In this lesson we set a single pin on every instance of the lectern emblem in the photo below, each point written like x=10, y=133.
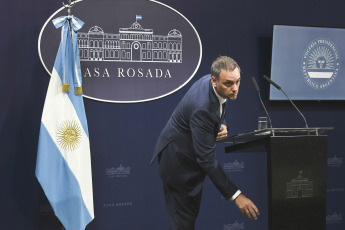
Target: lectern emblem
x=320, y=64
x=299, y=187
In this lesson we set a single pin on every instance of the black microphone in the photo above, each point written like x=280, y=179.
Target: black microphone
x=279, y=88
x=273, y=83
x=263, y=105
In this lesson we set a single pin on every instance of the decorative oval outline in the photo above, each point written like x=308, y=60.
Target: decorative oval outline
x=111, y=101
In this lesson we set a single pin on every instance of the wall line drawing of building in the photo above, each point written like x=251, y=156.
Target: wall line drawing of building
x=233, y=166
x=133, y=44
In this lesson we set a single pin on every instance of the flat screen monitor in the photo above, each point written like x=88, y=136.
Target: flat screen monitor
x=308, y=63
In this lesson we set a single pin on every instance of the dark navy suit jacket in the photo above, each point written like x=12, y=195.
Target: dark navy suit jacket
x=186, y=148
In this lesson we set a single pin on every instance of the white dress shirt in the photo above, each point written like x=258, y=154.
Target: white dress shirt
x=221, y=101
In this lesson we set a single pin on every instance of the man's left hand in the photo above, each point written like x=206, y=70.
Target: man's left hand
x=247, y=207
x=223, y=132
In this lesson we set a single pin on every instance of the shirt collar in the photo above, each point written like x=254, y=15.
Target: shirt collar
x=221, y=100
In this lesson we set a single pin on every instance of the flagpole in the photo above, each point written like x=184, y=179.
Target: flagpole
x=69, y=8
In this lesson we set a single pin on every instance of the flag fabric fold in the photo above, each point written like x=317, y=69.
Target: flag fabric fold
x=63, y=165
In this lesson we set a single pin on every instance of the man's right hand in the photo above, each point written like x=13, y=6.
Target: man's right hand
x=247, y=207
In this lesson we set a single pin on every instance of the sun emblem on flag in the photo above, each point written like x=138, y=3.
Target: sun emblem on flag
x=69, y=135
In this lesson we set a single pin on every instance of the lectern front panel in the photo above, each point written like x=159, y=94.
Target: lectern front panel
x=297, y=174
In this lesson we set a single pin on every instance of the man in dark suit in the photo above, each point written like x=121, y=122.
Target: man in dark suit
x=186, y=148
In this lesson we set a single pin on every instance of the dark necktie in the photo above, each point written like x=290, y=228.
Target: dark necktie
x=223, y=110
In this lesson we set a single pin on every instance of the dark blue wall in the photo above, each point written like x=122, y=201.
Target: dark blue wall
x=126, y=133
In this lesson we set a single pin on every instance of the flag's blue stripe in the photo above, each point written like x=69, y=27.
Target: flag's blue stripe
x=77, y=100
x=59, y=184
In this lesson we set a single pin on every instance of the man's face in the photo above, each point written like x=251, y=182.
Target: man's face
x=229, y=83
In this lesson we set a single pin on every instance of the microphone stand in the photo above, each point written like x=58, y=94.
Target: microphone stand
x=305, y=121
x=279, y=88
x=262, y=103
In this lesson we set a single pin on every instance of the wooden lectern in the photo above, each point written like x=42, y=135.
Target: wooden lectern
x=297, y=174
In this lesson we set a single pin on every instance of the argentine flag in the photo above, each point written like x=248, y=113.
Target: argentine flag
x=138, y=17
x=63, y=165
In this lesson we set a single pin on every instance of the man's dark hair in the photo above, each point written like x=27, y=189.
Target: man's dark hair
x=223, y=62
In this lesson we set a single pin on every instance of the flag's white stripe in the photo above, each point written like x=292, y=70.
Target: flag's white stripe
x=76, y=23
x=62, y=33
x=57, y=109
x=76, y=73
x=58, y=20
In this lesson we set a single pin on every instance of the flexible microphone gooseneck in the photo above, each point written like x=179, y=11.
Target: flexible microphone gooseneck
x=279, y=88
x=263, y=105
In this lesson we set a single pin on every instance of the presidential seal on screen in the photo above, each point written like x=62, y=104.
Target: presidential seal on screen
x=320, y=63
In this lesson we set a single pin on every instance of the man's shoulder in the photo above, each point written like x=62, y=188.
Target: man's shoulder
x=207, y=77
x=203, y=81
x=199, y=96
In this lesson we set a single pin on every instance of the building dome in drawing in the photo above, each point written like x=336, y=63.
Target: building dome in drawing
x=174, y=33
x=96, y=30
x=136, y=26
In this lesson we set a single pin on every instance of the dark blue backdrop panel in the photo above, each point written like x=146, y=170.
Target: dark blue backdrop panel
x=123, y=136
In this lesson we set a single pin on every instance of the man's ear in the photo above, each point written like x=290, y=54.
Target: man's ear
x=214, y=81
